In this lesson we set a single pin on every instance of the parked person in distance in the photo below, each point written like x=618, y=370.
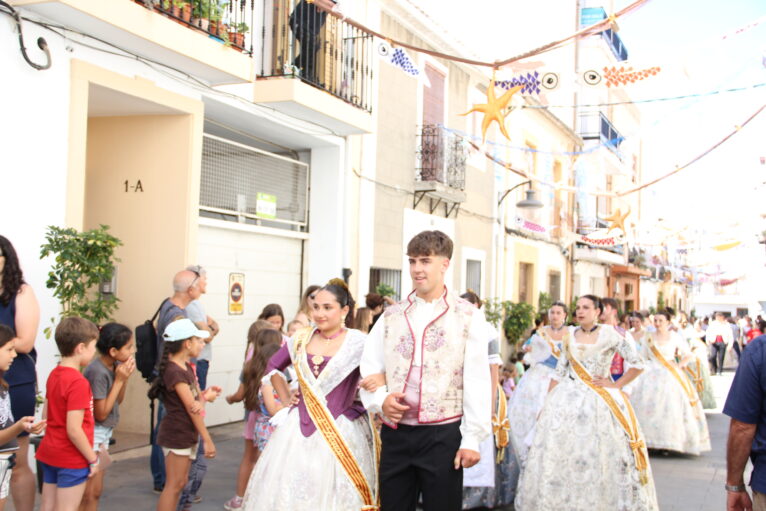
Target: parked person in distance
x=108, y=376
x=66, y=454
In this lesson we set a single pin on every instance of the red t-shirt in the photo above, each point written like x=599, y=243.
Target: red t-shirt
x=67, y=389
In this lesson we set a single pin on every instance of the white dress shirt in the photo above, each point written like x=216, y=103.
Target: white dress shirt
x=721, y=328
x=475, y=424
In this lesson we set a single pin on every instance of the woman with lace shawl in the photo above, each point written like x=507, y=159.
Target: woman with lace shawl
x=528, y=399
x=322, y=455
x=587, y=452
x=667, y=403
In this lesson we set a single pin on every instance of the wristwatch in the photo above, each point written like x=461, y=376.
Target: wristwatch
x=736, y=488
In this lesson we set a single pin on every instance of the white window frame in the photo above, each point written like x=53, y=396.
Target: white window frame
x=473, y=254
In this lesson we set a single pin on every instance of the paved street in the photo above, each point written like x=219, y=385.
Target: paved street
x=684, y=483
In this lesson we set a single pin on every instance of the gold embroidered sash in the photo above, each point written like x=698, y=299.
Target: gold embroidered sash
x=554, y=350
x=695, y=373
x=501, y=426
x=323, y=420
x=684, y=382
x=629, y=424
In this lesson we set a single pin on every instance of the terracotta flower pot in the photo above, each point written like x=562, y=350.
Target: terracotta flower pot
x=186, y=12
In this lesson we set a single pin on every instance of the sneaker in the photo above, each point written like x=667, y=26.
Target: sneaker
x=233, y=504
x=197, y=499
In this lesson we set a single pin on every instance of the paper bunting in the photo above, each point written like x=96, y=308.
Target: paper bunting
x=615, y=77
x=726, y=246
x=397, y=57
x=530, y=226
x=595, y=239
x=530, y=83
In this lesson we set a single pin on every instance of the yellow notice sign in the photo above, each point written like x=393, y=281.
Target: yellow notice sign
x=236, y=293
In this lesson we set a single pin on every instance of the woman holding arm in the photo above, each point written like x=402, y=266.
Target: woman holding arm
x=667, y=404
x=20, y=311
x=587, y=452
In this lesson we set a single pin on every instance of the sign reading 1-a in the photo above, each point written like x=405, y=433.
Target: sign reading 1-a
x=138, y=187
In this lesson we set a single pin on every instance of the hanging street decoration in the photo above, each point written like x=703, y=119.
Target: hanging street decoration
x=531, y=226
x=595, y=239
x=726, y=246
x=494, y=109
x=530, y=83
x=615, y=77
x=617, y=220
x=398, y=58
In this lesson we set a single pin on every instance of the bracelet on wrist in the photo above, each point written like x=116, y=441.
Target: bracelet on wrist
x=739, y=488
x=94, y=462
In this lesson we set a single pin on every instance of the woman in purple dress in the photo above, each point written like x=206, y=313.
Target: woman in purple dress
x=304, y=467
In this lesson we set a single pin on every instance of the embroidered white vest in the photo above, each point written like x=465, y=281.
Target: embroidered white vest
x=442, y=355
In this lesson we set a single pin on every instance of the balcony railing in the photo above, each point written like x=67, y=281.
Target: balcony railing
x=302, y=41
x=591, y=15
x=442, y=157
x=228, y=21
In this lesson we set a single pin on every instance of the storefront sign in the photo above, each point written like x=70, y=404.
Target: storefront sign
x=265, y=205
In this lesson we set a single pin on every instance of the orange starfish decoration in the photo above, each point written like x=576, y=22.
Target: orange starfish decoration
x=494, y=108
x=617, y=220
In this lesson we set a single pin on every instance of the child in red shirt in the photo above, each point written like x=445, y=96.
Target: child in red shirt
x=66, y=452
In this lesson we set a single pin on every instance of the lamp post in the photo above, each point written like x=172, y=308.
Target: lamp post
x=530, y=202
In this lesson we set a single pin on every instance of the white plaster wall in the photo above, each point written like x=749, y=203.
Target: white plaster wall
x=272, y=266
x=584, y=271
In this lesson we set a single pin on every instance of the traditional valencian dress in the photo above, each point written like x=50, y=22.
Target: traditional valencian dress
x=587, y=452
x=698, y=370
x=667, y=404
x=528, y=399
x=299, y=470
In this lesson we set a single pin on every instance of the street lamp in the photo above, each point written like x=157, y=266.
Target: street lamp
x=530, y=202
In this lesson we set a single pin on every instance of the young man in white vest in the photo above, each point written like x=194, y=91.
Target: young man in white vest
x=432, y=348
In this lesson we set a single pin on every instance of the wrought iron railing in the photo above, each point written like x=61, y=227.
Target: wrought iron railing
x=615, y=44
x=228, y=21
x=596, y=126
x=302, y=41
x=442, y=157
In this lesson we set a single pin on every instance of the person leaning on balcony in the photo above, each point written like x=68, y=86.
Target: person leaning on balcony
x=746, y=405
x=719, y=337
x=20, y=311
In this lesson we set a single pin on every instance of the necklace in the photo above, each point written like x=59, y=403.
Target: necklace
x=333, y=336
x=317, y=360
x=589, y=331
x=559, y=329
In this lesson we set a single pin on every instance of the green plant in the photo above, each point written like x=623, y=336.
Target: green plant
x=519, y=317
x=82, y=261
x=242, y=28
x=544, y=302
x=216, y=10
x=493, y=311
x=652, y=310
x=573, y=307
x=660, y=301
x=384, y=289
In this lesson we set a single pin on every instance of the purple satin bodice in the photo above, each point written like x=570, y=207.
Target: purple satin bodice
x=341, y=400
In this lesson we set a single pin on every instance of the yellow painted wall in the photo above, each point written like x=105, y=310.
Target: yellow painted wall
x=158, y=227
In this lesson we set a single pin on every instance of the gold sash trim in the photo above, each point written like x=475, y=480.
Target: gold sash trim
x=501, y=426
x=554, y=350
x=324, y=422
x=684, y=382
x=696, y=376
x=629, y=424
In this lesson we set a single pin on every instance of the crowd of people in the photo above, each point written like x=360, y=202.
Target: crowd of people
x=387, y=406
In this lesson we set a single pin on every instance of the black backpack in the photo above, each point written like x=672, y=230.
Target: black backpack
x=146, y=346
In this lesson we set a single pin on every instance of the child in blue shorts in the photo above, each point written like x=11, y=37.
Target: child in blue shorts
x=66, y=452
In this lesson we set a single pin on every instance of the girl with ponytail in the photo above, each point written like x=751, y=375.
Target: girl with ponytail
x=183, y=425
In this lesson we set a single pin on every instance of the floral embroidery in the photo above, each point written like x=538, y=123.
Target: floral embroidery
x=432, y=409
x=405, y=346
x=457, y=378
x=435, y=338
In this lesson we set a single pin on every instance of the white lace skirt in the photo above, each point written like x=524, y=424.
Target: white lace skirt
x=665, y=414
x=580, y=458
x=296, y=473
x=525, y=404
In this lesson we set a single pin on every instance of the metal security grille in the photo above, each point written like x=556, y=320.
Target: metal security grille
x=473, y=276
x=247, y=185
x=392, y=278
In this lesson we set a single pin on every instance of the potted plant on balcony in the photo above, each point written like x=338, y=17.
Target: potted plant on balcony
x=201, y=14
x=237, y=35
x=217, y=26
x=179, y=9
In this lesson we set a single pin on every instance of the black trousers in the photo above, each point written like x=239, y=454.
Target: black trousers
x=717, y=354
x=418, y=460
